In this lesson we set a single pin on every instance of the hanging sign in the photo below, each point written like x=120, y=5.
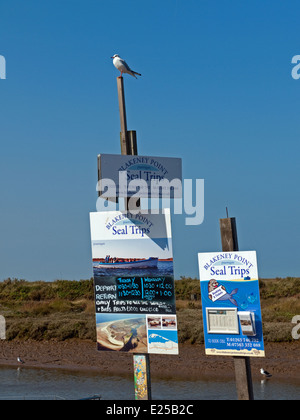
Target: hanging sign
x=142, y=176
x=134, y=282
x=231, y=304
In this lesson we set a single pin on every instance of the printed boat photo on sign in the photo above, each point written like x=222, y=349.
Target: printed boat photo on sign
x=121, y=264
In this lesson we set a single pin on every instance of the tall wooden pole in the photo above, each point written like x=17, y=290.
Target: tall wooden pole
x=242, y=365
x=123, y=120
x=129, y=147
x=128, y=138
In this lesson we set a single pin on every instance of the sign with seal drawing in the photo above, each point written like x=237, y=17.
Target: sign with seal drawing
x=231, y=304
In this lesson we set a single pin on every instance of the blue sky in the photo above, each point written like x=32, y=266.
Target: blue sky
x=216, y=90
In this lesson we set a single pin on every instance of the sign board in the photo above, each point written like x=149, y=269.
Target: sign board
x=134, y=282
x=155, y=177
x=231, y=304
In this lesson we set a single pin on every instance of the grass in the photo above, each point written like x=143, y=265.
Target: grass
x=65, y=309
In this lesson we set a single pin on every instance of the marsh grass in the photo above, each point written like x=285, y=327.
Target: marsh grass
x=64, y=309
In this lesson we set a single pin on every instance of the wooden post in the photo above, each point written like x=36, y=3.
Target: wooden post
x=123, y=120
x=132, y=142
x=242, y=365
x=129, y=147
x=243, y=378
x=229, y=235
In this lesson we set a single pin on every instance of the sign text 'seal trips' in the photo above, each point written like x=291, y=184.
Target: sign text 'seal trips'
x=2, y=67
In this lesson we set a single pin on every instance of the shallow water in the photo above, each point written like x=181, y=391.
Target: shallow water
x=52, y=384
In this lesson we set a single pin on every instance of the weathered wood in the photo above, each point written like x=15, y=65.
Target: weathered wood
x=123, y=120
x=128, y=140
x=229, y=235
x=132, y=142
x=129, y=147
x=242, y=365
x=243, y=378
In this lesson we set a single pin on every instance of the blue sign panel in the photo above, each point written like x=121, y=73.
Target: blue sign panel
x=231, y=304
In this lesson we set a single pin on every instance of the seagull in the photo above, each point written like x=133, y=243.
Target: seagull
x=20, y=361
x=265, y=373
x=122, y=66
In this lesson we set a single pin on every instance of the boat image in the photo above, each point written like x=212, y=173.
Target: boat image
x=117, y=264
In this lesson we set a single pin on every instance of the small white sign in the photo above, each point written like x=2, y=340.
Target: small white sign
x=217, y=293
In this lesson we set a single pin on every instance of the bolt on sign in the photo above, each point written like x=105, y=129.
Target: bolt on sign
x=231, y=304
x=134, y=282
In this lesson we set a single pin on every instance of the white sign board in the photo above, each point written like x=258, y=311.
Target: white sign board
x=142, y=176
x=134, y=282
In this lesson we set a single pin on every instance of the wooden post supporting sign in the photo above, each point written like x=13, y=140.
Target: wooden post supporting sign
x=242, y=364
x=124, y=136
x=141, y=362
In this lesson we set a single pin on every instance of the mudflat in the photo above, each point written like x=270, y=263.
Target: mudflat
x=282, y=359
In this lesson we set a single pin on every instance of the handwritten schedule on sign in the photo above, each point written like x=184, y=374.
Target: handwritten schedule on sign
x=146, y=288
x=135, y=295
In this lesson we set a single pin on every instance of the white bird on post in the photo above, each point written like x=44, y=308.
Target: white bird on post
x=123, y=67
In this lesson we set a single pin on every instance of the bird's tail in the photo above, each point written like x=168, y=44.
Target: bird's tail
x=135, y=73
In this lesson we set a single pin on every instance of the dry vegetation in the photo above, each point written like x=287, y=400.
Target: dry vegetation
x=44, y=311
x=65, y=309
